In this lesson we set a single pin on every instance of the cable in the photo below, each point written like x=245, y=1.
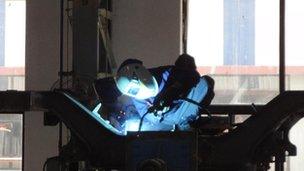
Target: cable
x=199, y=105
x=151, y=110
x=47, y=161
x=106, y=25
x=56, y=82
x=185, y=99
x=141, y=121
x=78, y=76
x=44, y=165
x=193, y=102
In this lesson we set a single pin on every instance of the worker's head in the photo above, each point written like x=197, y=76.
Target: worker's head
x=134, y=80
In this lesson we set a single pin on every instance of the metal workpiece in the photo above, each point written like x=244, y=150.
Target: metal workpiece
x=242, y=146
x=37, y=101
x=251, y=145
x=161, y=150
x=100, y=143
x=12, y=101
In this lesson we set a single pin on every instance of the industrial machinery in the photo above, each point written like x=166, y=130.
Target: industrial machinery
x=215, y=143
x=252, y=145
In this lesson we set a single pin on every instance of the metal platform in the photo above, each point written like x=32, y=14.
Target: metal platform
x=249, y=146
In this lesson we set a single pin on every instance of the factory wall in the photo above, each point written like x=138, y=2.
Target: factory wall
x=42, y=65
x=148, y=30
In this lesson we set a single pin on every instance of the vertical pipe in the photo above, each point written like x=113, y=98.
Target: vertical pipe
x=184, y=19
x=67, y=10
x=282, y=47
x=279, y=166
x=61, y=44
x=279, y=163
x=280, y=157
x=61, y=70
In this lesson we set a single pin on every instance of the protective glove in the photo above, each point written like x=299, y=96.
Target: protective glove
x=158, y=109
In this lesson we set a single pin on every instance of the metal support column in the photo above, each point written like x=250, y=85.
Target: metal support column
x=2, y=32
x=282, y=46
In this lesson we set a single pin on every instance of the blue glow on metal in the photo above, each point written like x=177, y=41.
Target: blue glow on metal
x=179, y=115
x=132, y=125
x=96, y=109
x=96, y=116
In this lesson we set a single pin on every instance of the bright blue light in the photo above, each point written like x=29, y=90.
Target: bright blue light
x=96, y=109
x=132, y=125
x=136, y=88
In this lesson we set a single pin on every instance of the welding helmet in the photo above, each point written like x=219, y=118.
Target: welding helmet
x=134, y=80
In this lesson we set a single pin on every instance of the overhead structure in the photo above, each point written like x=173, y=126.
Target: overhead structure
x=91, y=38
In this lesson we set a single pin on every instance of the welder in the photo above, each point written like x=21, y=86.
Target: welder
x=163, y=98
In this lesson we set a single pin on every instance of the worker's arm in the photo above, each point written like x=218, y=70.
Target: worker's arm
x=183, y=77
x=108, y=94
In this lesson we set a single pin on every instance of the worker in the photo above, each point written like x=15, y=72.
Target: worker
x=162, y=98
